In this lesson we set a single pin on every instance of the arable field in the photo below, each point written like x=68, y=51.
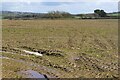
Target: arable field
x=70, y=48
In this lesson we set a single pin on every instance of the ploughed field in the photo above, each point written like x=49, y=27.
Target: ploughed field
x=68, y=48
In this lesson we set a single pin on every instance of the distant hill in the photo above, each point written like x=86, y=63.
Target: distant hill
x=20, y=15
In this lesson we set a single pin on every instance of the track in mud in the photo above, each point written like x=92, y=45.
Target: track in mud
x=82, y=66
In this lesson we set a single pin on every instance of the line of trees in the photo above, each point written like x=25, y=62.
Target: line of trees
x=61, y=14
x=57, y=14
x=98, y=14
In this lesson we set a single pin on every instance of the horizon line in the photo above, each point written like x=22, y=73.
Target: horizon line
x=53, y=10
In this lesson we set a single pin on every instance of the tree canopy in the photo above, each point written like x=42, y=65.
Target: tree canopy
x=57, y=14
x=101, y=13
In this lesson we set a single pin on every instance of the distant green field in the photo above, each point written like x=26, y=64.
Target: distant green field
x=72, y=48
x=114, y=14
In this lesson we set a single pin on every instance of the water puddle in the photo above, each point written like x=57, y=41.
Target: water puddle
x=32, y=74
x=35, y=53
x=29, y=52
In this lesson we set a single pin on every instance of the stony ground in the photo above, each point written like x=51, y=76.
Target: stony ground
x=70, y=48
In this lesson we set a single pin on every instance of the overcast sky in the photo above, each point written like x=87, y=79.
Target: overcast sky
x=69, y=6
